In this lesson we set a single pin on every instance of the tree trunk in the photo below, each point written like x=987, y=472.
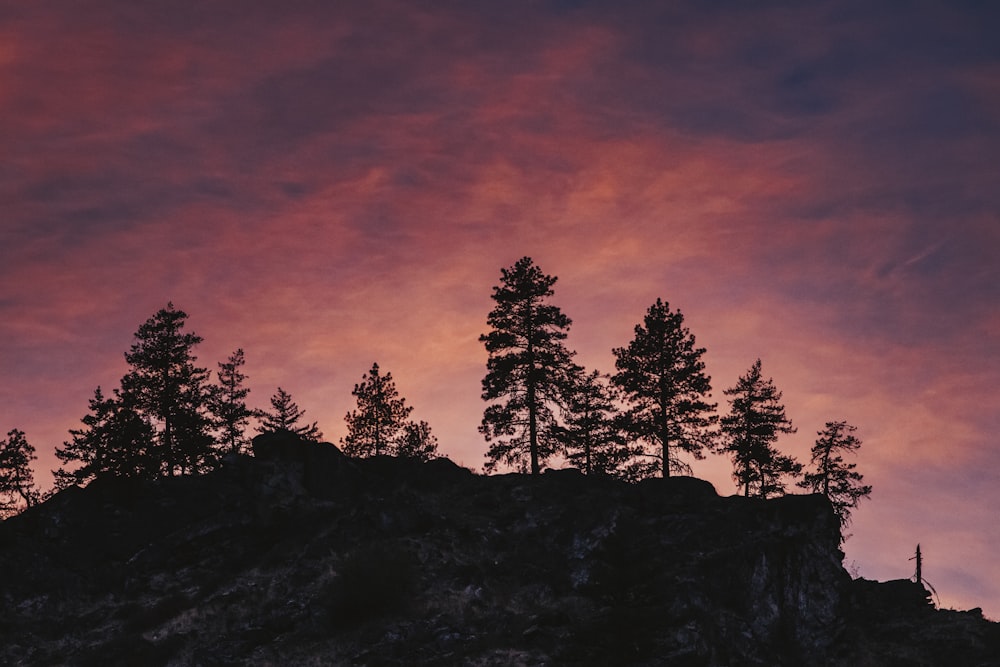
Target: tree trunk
x=532, y=391
x=665, y=440
x=826, y=472
x=165, y=409
x=532, y=426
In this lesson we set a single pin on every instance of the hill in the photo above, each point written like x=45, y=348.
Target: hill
x=301, y=555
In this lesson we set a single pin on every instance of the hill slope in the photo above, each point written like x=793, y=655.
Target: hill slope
x=301, y=556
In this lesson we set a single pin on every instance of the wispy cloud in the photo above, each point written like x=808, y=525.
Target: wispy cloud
x=329, y=185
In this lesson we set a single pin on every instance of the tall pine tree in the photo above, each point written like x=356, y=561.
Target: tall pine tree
x=285, y=415
x=229, y=403
x=116, y=440
x=172, y=392
x=590, y=432
x=376, y=426
x=17, y=482
x=831, y=475
x=663, y=379
x=528, y=370
x=750, y=431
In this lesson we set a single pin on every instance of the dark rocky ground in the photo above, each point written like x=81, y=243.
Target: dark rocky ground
x=301, y=556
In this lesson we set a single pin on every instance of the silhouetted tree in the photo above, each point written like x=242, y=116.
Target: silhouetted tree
x=663, y=379
x=750, y=430
x=376, y=426
x=168, y=388
x=229, y=404
x=528, y=369
x=590, y=432
x=417, y=442
x=89, y=450
x=195, y=441
x=17, y=482
x=116, y=441
x=285, y=416
x=831, y=475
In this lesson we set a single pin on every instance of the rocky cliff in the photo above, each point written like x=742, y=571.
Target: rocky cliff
x=302, y=556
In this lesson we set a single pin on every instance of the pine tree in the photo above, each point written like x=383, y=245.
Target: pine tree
x=831, y=475
x=528, y=369
x=196, y=446
x=751, y=429
x=116, y=441
x=590, y=432
x=17, y=482
x=285, y=416
x=663, y=379
x=168, y=388
x=88, y=448
x=417, y=442
x=376, y=426
x=229, y=403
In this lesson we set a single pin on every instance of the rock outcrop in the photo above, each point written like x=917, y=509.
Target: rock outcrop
x=301, y=555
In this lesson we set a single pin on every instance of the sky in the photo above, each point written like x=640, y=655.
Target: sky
x=327, y=185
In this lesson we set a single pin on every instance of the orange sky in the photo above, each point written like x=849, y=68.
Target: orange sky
x=328, y=187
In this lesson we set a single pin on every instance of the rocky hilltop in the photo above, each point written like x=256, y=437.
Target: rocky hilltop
x=300, y=555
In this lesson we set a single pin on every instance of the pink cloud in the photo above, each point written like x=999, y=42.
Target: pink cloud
x=340, y=186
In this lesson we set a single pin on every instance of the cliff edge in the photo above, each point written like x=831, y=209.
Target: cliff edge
x=301, y=555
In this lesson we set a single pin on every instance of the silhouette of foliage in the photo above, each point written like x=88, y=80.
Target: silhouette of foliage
x=831, y=475
x=590, y=432
x=751, y=428
x=17, y=482
x=172, y=392
x=116, y=440
x=528, y=369
x=417, y=442
x=229, y=406
x=663, y=378
x=285, y=416
x=379, y=426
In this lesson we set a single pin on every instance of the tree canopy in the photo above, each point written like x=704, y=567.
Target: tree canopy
x=229, y=403
x=376, y=426
x=166, y=417
x=115, y=440
x=663, y=379
x=157, y=421
x=165, y=385
x=417, y=442
x=17, y=481
x=591, y=428
x=750, y=431
x=833, y=477
x=528, y=370
x=285, y=415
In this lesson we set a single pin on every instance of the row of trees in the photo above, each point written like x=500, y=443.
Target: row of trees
x=167, y=417
x=639, y=421
x=379, y=426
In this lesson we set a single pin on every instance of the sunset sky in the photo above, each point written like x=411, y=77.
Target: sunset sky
x=330, y=184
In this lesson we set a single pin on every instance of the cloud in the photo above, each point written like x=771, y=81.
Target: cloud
x=328, y=185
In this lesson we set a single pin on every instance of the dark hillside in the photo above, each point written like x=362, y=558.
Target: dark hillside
x=302, y=556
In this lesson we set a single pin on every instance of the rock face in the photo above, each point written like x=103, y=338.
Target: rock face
x=301, y=555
